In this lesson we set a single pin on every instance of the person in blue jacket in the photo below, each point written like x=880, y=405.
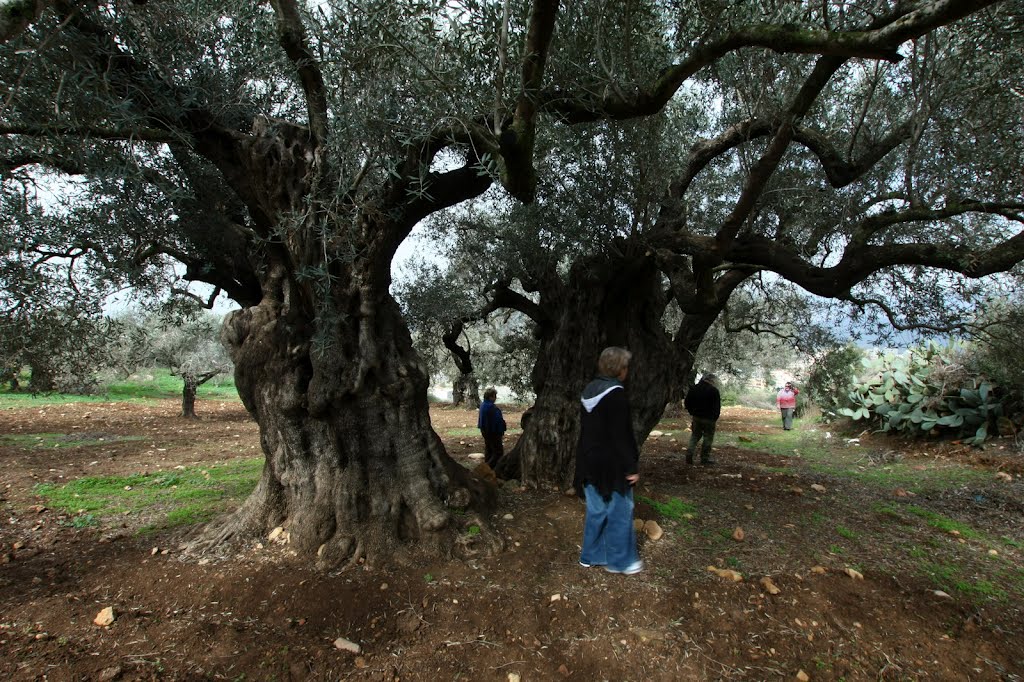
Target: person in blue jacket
x=492, y=428
x=607, y=460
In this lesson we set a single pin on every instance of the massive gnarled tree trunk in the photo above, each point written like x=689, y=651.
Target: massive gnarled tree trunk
x=353, y=468
x=605, y=302
x=326, y=366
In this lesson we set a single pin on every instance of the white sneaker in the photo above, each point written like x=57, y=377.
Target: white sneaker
x=632, y=569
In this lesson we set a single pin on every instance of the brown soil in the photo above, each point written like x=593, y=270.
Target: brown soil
x=532, y=611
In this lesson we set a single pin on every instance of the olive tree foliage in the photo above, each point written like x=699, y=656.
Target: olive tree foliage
x=884, y=186
x=51, y=321
x=281, y=152
x=189, y=346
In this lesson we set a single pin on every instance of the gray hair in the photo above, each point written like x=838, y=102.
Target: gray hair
x=612, y=361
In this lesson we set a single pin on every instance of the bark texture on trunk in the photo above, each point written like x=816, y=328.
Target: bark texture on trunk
x=188, y=396
x=614, y=304
x=466, y=391
x=353, y=469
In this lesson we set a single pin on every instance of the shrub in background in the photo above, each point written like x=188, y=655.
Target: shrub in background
x=930, y=390
x=830, y=378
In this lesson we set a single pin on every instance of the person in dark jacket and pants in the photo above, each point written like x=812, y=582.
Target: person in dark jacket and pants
x=492, y=428
x=704, y=403
x=606, y=468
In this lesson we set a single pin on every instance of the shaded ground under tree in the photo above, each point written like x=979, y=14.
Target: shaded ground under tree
x=912, y=521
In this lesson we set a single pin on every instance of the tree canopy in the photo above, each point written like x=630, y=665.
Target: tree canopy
x=280, y=152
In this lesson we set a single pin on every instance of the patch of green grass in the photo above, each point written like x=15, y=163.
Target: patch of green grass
x=917, y=553
x=674, y=508
x=181, y=496
x=886, y=510
x=151, y=384
x=948, y=578
x=44, y=441
x=836, y=549
x=732, y=562
x=846, y=532
x=1010, y=542
x=943, y=523
x=835, y=457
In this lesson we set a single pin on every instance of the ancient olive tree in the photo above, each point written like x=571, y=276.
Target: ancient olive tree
x=869, y=183
x=281, y=152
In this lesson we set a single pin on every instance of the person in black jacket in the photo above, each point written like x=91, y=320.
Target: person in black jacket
x=704, y=403
x=606, y=468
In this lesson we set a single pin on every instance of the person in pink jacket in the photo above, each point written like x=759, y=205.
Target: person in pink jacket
x=786, y=401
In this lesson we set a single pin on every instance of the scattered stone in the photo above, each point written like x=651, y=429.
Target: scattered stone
x=856, y=575
x=726, y=573
x=993, y=552
x=738, y=534
x=475, y=455
x=769, y=586
x=818, y=487
x=383, y=587
x=638, y=525
x=347, y=645
x=796, y=490
x=900, y=492
x=154, y=551
x=508, y=517
x=513, y=677
x=818, y=569
x=110, y=674
x=38, y=508
x=360, y=662
x=563, y=670
x=748, y=507
x=105, y=617
x=18, y=545
x=656, y=434
x=570, y=492
x=1003, y=476
x=653, y=530
x=941, y=595
x=802, y=676
x=744, y=439
x=275, y=534
x=556, y=597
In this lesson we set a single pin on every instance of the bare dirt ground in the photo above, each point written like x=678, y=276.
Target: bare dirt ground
x=532, y=612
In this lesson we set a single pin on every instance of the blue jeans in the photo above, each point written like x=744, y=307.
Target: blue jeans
x=608, y=535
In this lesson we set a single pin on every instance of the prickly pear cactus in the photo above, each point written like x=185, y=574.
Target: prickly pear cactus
x=913, y=394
